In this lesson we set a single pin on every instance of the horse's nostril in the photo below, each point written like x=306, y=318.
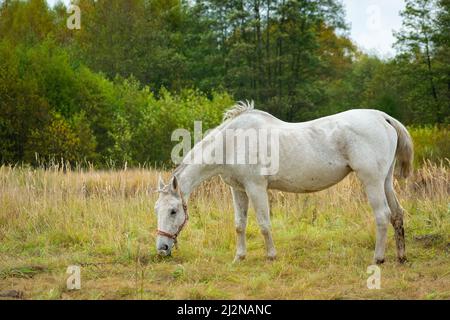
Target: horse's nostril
x=164, y=247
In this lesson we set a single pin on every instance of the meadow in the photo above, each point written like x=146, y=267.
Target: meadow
x=108, y=95
x=103, y=221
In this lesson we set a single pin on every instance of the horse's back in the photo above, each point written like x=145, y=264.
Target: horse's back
x=355, y=118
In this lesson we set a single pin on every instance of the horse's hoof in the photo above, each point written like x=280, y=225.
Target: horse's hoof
x=402, y=260
x=272, y=257
x=379, y=261
x=239, y=258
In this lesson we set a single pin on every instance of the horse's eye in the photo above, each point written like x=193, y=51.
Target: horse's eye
x=173, y=212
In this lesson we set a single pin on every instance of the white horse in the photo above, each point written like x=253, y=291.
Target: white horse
x=313, y=156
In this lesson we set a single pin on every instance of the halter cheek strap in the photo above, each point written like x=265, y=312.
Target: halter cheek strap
x=174, y=236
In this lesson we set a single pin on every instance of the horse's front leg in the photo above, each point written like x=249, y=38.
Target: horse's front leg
x=260, y=200
x=240, y=201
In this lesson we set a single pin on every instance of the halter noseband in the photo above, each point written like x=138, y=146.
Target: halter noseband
x=174, y=236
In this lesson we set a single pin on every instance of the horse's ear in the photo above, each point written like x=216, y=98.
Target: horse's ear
x=174, y=184
x=161, y=184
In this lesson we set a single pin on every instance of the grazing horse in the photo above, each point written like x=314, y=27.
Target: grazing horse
x=313, y=156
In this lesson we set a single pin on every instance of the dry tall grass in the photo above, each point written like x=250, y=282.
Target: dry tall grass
x=104, y=222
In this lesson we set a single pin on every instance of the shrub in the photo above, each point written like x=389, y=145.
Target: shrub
x=431, y=143
x=59, y=140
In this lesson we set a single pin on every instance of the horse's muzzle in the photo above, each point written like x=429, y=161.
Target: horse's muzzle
x=164, y=253
x=164, y=249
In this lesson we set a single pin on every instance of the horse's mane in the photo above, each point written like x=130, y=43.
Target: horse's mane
x=238, y=109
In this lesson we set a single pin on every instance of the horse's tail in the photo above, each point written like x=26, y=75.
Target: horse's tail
x=405, y=147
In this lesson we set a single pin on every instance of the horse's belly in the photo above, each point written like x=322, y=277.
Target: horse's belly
x=306, y=181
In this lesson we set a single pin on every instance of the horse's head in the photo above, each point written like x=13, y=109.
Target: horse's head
x=172, y=215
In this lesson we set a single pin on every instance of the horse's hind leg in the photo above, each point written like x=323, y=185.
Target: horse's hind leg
x=396, y=215
x=374, y=186
x=240, y=201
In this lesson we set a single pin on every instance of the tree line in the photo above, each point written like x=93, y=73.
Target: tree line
x=114, y=90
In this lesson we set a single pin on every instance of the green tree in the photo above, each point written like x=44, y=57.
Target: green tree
x=415, y=42
x=442, y=48
x=26, y=22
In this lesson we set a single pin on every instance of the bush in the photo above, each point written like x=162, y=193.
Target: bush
x=431, y=143
x=58, y=109
x=60, y=140
x=160, y=117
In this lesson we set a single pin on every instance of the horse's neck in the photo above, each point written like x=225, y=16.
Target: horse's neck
x=191, y=175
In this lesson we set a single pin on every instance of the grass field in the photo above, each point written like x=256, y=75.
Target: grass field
x=104, y=222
